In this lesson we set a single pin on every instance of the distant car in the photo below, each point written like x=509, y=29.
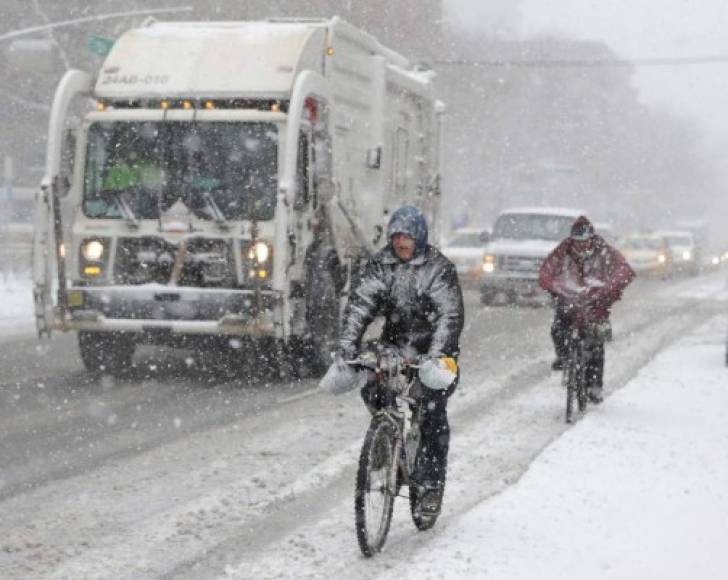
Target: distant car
x=522, y=238
x=648, y=254
x=685, y=254
x=465, y=249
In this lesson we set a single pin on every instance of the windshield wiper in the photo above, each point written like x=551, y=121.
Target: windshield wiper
x=125, y=210
x=215, y=210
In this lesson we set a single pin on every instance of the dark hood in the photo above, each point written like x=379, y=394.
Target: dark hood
x=409, y=220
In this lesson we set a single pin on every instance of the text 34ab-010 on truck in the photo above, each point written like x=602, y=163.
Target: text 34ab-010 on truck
x=227, y=184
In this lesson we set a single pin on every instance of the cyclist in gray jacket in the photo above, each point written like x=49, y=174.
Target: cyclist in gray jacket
x=417, y=291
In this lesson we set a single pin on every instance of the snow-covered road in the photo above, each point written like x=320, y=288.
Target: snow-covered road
x=177, y=475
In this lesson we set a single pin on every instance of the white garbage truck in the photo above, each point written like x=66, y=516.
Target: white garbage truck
x=222, y=181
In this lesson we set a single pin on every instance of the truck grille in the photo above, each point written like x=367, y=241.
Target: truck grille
x=520, y=264
x=146, y=260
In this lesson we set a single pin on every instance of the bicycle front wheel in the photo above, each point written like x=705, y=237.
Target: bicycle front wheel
x=375, y=486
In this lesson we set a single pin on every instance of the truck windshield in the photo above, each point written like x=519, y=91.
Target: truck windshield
x=532, y=227
x=153, y=165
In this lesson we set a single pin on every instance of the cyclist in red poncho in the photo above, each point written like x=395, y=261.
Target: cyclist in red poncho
x=586, y=276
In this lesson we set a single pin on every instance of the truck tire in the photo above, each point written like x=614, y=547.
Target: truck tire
x=322, y=313
x=106, y=352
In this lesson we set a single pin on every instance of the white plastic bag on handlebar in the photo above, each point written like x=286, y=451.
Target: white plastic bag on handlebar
x=437, y=374
x=342, y=378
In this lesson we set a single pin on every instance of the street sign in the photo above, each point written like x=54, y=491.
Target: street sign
x=100, y=45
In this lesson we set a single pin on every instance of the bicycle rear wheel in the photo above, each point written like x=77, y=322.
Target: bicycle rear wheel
x=375, y=486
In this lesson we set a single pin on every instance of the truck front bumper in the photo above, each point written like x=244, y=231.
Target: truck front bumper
x=176, y=310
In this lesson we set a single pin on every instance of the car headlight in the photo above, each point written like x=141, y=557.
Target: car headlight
x=489, y=263
x=92, y=250
x=686, y=255
x=662, y=258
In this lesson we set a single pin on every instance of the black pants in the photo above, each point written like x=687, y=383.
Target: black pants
x=560, y=333
x=431, y=462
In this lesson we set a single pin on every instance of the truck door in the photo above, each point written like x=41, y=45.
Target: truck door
x=49, y=277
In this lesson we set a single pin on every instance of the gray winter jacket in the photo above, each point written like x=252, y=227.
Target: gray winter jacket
x=421, y=301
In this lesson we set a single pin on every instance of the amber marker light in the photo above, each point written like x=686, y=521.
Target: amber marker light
x=92, y=270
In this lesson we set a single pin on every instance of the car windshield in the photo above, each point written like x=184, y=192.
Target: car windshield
x=642, y=244
x=679, y=241
x=533, y=226
x=213, y=168
x=466, y=240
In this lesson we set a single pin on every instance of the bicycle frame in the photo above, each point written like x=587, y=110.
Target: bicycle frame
x=394, y=396
x=389, y=451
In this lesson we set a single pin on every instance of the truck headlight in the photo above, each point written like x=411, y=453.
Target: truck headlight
x=489, y=263
x=686, y=255
x=260, y=260
x=93, y=257
x=662, y=258
x=259, y=252
x=92, y=250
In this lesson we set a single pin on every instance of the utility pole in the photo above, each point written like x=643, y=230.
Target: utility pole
x=6, y=196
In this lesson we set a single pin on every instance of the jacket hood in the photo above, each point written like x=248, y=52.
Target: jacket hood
x=409, y=220
x=582, y=227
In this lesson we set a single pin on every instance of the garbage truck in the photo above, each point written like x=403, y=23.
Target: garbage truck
x=223, y=182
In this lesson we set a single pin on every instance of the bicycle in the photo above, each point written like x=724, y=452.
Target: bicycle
x=582, y=343
x=389, y=451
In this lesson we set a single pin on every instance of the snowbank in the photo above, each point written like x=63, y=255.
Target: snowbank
x=637, y=489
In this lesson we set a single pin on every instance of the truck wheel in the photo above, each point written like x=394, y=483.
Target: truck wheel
x=106, y=352
x=324, y=330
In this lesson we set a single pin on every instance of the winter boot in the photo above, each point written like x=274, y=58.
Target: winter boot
x=431, y=498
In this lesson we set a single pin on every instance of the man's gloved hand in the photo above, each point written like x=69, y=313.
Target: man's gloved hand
x=438, y=373
x=341, y=377
x=598, y=297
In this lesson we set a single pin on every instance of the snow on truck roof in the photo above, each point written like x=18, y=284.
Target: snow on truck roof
x=208, y=59
x=231, y=59
x=555, y=211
